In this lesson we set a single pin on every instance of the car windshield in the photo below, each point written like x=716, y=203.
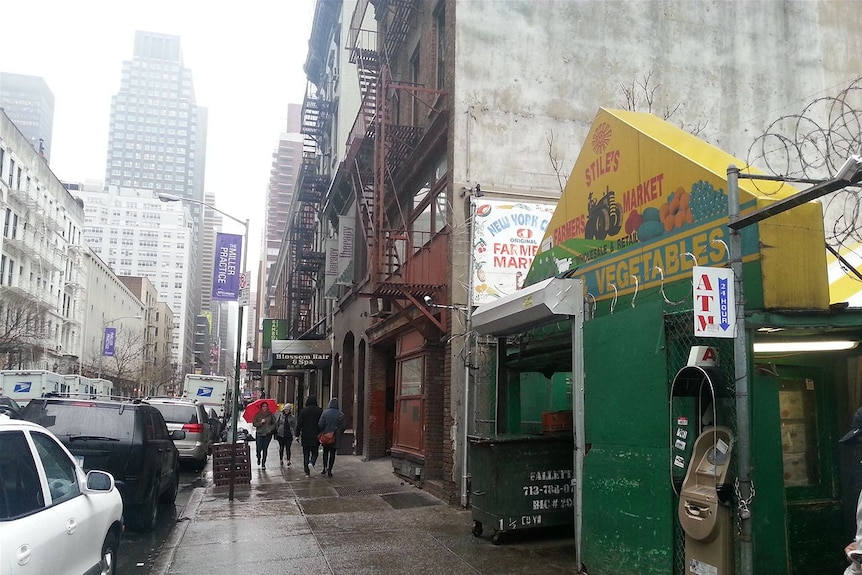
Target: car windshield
x=83, y=419
x=178, y=413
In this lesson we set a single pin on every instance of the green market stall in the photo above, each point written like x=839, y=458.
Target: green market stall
x=528, y=473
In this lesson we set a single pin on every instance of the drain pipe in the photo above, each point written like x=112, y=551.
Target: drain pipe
x=465, y=475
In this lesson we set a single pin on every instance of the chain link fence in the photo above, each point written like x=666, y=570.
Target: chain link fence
x=679, y=336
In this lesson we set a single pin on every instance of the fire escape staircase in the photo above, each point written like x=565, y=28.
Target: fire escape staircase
x=376, y=151
x=306, y=262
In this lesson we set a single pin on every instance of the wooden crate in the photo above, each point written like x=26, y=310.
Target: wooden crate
x=225, y=463
x=557, y=420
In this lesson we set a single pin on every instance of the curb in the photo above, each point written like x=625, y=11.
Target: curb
x=172, y=543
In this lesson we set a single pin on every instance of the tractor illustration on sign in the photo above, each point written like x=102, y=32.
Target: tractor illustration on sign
x=604, y=217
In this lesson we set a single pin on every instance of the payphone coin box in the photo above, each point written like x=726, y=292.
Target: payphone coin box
x=709, y=469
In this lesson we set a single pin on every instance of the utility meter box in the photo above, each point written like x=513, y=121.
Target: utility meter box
x=703, y=514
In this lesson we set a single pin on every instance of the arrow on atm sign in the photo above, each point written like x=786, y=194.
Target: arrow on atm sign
x=714, y=302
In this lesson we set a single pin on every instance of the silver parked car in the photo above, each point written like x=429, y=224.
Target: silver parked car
x=191, y=417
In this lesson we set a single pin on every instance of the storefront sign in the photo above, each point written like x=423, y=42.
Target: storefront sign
x=330, y=288
x=346, y=237
x=273, y=329
x=714, y=302
x=300, y=354
x=506, y=237
x=644, y=202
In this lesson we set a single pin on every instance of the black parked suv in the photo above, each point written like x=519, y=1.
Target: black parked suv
x=128, y=440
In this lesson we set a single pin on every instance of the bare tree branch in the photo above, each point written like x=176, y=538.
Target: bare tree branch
x=556, y=161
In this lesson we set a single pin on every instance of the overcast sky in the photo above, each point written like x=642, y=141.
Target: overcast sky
x=246, y=60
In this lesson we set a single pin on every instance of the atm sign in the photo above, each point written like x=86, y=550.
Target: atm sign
x=714, y=302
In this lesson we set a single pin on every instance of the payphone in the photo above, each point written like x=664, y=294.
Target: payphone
x=697, y=399
x=704, y=516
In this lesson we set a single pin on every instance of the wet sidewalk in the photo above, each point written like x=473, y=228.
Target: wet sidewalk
x=363, y=520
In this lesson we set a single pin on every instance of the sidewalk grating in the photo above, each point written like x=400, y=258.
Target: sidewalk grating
x=370, y=489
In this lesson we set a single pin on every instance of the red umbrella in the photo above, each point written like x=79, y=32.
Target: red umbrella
x=253, y=407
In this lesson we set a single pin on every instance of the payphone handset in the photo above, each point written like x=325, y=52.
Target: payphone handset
x=708, y=472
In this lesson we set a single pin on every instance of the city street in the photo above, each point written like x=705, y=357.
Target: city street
x=138, y=551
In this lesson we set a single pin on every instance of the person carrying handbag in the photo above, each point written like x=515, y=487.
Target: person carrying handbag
x=331, y=426
x=285, y=429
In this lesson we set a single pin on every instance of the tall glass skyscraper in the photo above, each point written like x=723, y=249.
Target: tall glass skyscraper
x=29, y=103
x=157, y=141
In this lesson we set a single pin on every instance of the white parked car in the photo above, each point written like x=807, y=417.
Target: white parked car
x=53, y=518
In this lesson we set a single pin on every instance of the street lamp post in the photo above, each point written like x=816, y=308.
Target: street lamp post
x=234, y=411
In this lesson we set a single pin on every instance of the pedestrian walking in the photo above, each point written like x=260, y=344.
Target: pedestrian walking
x=285, y=429
x=331, y=426
x=264, y=425
x=306, y=431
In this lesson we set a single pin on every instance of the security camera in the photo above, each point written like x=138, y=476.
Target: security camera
x=428, y=301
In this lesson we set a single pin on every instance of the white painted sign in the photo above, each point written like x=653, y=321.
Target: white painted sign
x=244, y=288
x=714, y=302
x=703, y=356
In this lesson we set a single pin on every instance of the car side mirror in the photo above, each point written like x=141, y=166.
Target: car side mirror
x=178, y=434
x=99, y=481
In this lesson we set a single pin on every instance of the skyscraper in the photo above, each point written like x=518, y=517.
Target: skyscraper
x=29, y=103
x=286, y=162
x=157, y=142
x=137, y=235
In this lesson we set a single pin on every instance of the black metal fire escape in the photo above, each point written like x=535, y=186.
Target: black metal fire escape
x=306, y=259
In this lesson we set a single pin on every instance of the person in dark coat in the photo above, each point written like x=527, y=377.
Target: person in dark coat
x=264, y=425
x=331, y=421
x=285, y=429
x=306, y=432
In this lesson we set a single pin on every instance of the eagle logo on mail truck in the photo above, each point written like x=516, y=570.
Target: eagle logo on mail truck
x=205, y=392
x=23, y=387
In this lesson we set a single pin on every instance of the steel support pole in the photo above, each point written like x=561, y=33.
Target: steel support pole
x=740, y=368
x=235, y=402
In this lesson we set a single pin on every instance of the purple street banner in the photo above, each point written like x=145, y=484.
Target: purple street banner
x=109, y=340
x=226, y=272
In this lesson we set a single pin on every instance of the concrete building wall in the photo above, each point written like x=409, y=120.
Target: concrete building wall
x=521, y=102
x=729, y=67
x=109, y=303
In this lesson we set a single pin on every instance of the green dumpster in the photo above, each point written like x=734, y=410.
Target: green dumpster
x=521, y=482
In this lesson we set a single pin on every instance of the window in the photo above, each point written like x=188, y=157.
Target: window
x=411, y=376
x=799, y=433
x=59, y=469
x=19, y=480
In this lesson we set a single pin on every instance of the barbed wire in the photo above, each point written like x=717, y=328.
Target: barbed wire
x=813, y=144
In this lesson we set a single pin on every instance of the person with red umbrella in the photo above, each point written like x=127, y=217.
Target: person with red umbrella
x=264, y=424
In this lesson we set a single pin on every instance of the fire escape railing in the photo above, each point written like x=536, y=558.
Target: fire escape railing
x=306, y=259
